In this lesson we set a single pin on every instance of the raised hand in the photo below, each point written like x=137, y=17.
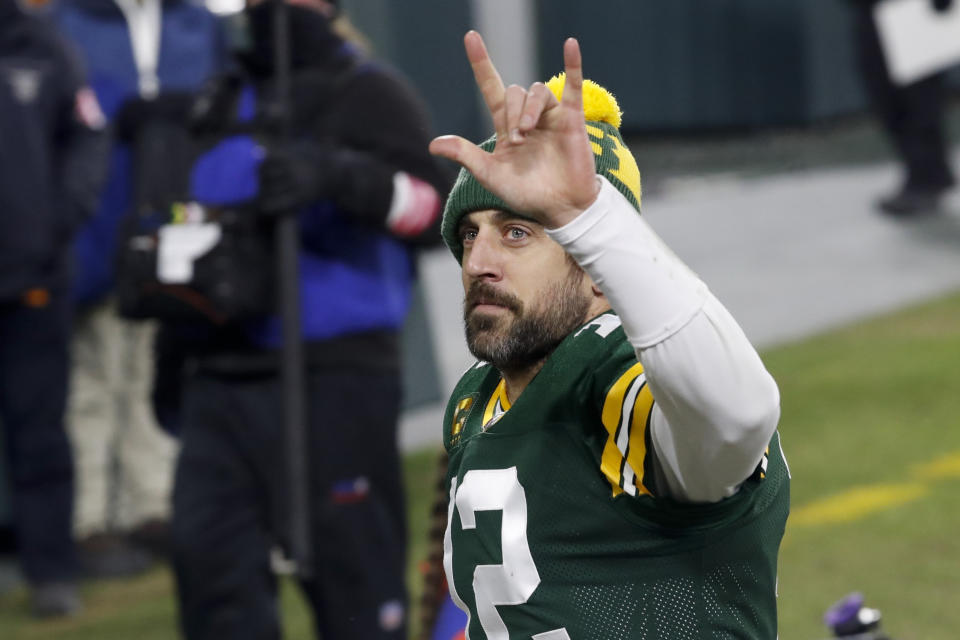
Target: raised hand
x=542, y=164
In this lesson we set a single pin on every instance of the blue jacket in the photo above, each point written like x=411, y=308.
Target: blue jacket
x=354, y=278
x=191, y=51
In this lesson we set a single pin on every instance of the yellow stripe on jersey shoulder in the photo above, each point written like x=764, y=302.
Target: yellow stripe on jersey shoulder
x=625, y=415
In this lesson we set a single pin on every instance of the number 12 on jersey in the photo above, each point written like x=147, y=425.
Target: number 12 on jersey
x=514, y=581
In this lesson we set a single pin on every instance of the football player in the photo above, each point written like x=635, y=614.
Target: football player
x=614, y=468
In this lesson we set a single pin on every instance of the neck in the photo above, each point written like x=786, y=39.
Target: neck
x=597, y=306
x=516, y=381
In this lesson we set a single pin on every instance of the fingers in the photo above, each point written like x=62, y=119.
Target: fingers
x=523, y=109
x=516, y=112
x=488, y=80
x=514, y=99
x=461, y=151
x=573, y=65
x=539, y=99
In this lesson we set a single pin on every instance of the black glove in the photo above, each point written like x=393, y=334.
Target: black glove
x=294, y=175
x=941, y=5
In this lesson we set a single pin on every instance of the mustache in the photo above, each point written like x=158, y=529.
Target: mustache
x=485, y=293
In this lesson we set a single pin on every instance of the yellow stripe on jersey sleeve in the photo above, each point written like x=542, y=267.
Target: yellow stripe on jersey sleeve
x=611, y=463
x=637, y=451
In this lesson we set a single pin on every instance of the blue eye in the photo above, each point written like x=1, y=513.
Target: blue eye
x=516, y=233
x=468, y=235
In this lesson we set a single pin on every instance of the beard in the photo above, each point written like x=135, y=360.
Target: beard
x=521, y=338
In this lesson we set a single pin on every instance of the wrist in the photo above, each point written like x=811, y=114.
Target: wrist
x=564, y=215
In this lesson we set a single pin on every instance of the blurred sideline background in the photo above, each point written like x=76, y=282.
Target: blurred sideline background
x=760, y=166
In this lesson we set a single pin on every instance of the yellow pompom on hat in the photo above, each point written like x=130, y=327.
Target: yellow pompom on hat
x=599, y=105
x=613, y=161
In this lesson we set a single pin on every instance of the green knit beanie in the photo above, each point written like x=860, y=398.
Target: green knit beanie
x=613, y=161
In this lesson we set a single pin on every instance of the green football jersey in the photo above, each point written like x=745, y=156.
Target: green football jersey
x=557, y=530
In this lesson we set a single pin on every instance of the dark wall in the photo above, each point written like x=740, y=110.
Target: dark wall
x=691, y=64
x=676, y=65
x=424, y=39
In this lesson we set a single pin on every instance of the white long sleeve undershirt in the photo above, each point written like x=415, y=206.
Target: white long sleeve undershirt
x=716, y=406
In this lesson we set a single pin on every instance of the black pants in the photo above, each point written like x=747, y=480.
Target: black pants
x=228, y=477
x=34, y=365
x=912, y=115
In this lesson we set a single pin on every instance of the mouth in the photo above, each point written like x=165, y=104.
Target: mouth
x=488, y=307
x=491, y=304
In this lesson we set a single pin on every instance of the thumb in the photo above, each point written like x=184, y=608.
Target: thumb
x=462, y=151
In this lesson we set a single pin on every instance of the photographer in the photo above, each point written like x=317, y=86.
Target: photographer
x=357, y=174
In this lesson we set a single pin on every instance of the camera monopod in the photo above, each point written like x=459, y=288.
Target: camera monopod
x=294, y=556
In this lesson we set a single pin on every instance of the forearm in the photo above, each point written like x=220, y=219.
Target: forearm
x=716, y=405
x=386, y=177
x=383, y=195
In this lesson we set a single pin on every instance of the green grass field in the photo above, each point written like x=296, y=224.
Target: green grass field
x=871, y=428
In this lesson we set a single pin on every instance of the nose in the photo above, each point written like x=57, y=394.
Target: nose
x=483, y=259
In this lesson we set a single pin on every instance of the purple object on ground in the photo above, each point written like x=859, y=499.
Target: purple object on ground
x=845, y=611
